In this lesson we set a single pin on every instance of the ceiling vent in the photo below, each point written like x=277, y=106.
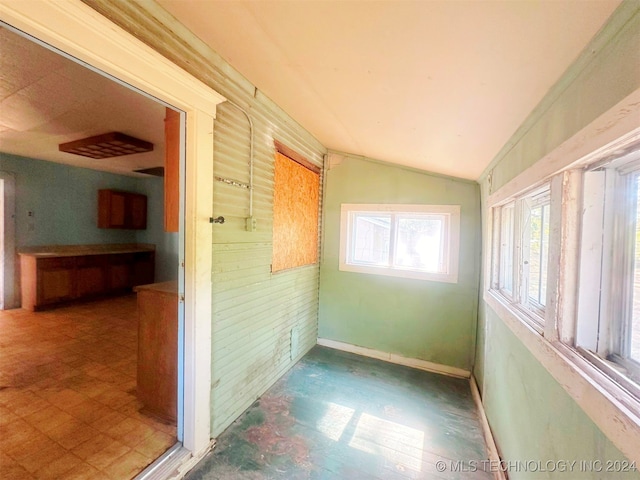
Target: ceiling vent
x=114, y=144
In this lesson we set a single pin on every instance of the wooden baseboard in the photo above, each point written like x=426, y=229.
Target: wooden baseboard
x=397, y=359
x=492, y=448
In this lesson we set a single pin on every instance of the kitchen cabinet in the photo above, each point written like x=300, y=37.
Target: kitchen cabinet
x=91, y=278
x=51, y=277
x=157, y=380
x=55, y=280
x=117, y=209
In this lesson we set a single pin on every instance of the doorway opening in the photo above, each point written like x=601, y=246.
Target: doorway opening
x=72, y=377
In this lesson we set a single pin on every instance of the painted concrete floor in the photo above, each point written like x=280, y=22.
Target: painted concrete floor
x=68, y=408
x=341, y=416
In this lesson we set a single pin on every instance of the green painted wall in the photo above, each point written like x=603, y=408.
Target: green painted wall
x=420, y=319
x=531, y=415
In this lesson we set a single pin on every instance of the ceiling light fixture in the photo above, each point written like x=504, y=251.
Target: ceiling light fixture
x=114, y=144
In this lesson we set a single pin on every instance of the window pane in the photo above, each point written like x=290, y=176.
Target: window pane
x=634, y=340
x=507, y=243
x=538, y=253
x=371, y=235
x=420, y=243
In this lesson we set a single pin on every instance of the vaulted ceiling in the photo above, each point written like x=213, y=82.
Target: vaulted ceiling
x=435, y=85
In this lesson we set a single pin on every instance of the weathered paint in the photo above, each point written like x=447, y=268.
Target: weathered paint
x=337, y=415
x=530, y=413
x=419, y=319
x=254, y=312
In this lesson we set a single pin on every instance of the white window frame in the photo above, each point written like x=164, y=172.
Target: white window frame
x=516, y=244
x=600, y=395
x=451, y=240
x=607, y=247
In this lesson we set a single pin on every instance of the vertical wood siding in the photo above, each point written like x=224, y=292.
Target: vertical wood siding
x=262, y=322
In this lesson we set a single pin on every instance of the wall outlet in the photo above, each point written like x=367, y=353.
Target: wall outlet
x=251, y=224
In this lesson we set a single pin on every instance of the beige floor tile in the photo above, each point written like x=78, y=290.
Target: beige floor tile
x=72, y=434
x=107, y=455
x=138, y=434
x=47, y=452
x=16, y=472
x=16, y=432
x=66, y=398
x=57, y=468
x=92, y=446
x=155, y=445
x=108, y=421
x=83, y=471
x=127, y=465
x=48, y=418
x=33, y=442
x=7, y=416
x=123, y=428
x=72, y=374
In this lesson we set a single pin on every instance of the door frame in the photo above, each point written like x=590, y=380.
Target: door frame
x=8, y=250
x=81, y=32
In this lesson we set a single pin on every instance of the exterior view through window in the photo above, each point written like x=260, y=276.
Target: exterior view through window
x=414, y=241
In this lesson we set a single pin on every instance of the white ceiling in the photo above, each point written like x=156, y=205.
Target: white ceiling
x=46, y=99
x=436, y=85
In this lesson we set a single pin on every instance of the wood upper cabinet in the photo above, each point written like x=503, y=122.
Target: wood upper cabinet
x=171, y=170
x=117, y=209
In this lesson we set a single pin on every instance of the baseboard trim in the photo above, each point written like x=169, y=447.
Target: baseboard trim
x=492, y=448
x=397, y=359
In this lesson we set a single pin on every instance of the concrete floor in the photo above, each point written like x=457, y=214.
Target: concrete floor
x=341, y=416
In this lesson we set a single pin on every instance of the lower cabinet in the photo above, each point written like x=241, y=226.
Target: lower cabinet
x=90, y=275
x=55, y=280
x=48, y=281
x=157, y=379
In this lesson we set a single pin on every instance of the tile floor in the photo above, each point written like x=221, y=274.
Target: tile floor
x=68, y=408
x=338, y=416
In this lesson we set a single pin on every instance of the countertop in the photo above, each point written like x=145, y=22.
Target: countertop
x=49, y=251
x=170, y=287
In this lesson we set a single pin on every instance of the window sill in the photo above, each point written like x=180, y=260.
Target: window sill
x=396, y=272
x=610, y=407
x=528, y=317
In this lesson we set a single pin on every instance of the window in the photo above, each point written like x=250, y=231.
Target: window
x=571, y=252
x=522, y=229
x=608, y=321
x=412, y=241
